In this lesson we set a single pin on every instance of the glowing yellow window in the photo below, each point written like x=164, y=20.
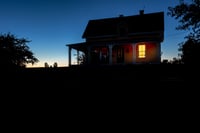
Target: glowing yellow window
x=142, y=51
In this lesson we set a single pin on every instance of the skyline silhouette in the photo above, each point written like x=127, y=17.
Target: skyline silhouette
x=50, y=25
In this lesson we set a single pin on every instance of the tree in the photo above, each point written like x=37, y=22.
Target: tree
x=55, y=64
x=190, y=51
x=46, y=65
x=15, y=52
x=188, y=15
x=82, y=58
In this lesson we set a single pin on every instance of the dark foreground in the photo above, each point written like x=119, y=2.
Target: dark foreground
x=159, y=95
x=148, y=83
x=103, y=77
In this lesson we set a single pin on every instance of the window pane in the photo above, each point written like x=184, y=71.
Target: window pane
x=142, y=51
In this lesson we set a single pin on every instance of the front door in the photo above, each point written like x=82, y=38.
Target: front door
x=120, y=55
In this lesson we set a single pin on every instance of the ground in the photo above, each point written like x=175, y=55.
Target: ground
x=144, y=91
x=103, y=77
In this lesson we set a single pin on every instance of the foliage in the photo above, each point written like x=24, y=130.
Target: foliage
x=188, y=16
x=46, y=65
x=190, y=51
x=14, y=51
x=55, y=64
x=82, y=58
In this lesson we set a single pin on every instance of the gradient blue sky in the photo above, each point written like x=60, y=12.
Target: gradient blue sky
x=51, y=24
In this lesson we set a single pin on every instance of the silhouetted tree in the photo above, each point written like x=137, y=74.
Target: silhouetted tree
x=190, y=51
x=46, y=65
x=14, y=51
x=55, y=64
x=189, y=19
x=82, y=58
x=165, y=61
x=176, y=61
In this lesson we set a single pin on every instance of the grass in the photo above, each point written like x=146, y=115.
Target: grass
x=123, y=75
x=152, y=83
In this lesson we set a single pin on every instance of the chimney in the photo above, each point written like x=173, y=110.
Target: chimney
x=141, y=12
x=121, y=15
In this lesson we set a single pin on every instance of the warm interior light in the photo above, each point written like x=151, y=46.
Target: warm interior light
x=142, y=51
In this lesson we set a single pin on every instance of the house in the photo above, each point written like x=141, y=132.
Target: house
x=122, y=40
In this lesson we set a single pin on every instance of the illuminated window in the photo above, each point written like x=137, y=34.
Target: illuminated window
x=142, y=51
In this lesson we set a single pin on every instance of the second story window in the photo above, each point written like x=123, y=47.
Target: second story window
x=142, y=51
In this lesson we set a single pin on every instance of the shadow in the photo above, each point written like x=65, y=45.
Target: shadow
x=103, y=76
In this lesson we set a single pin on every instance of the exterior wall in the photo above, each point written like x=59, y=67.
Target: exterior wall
x=114, y=56
x=99, y=55
x=125, y=53
x=128, y=54
x=152, y=54
x=131, y=53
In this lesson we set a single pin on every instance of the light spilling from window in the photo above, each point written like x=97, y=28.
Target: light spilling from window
x=142, y=51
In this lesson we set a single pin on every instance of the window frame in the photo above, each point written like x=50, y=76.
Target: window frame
x=141, y=51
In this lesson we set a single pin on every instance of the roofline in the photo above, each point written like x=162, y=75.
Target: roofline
x=84, y=36
x=75, y=44
x=116, y=35
x=127, y=16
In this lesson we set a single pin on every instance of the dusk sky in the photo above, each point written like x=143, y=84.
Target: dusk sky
x=51, y=24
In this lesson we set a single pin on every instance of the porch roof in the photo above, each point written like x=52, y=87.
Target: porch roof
x=78, y=46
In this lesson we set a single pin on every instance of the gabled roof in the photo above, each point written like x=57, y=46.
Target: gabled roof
x=129, y=25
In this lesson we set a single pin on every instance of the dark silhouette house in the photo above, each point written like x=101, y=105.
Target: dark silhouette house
x=122, y=40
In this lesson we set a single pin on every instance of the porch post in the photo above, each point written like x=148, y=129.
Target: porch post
x=69, y=55
x=159, y=52
x=110, y=54
x=88, y=55
x=134, y=52
x=78, y=57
